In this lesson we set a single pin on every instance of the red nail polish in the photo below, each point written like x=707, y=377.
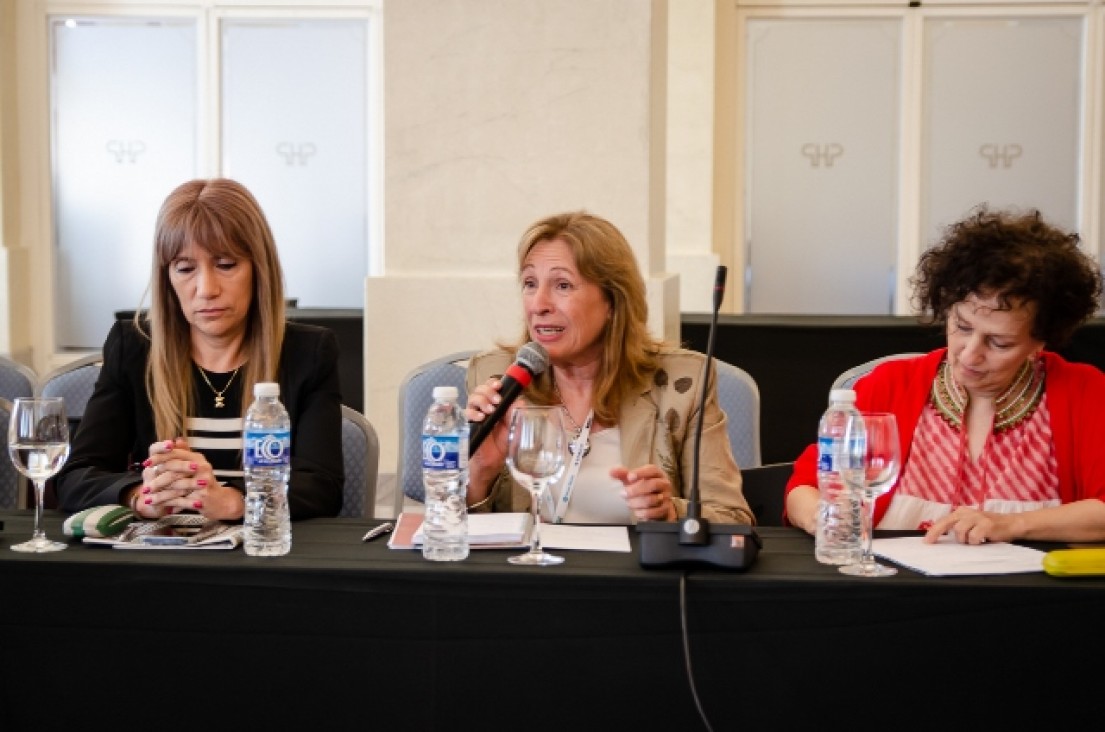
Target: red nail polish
x=197, y=504
x=201, y=481
x=168, y=444
x=192, y=466
x=145, y=489
x=148, y=501
x=147, y=462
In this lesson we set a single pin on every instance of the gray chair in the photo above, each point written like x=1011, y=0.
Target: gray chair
x=361, y=457
x=848, y=378
x=16, y=380
x=739, y=397
x=415, y=397
x=13, y=486
x=73, y=382
x=764, y=488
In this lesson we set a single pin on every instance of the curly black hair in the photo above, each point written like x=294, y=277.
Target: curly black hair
x=1019, y=258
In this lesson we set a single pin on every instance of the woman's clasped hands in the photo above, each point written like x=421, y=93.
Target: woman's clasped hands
x=177, y=478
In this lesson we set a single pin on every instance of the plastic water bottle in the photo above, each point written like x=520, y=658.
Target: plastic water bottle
x=837, y=540
x=267, y=452
x=445, y=478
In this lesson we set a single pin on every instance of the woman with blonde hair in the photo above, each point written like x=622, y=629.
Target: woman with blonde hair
x=630, y=401
x=162, y=430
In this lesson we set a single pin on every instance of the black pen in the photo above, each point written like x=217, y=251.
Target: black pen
x=378, y=531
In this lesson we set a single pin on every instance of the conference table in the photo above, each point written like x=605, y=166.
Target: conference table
x=342, y=634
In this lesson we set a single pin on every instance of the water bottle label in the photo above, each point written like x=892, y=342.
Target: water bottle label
x=442, y=452
x=267, y=449
x=825, y=450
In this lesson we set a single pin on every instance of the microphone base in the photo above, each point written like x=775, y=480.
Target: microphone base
x=725, y=546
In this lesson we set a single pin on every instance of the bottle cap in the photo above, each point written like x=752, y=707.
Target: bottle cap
x=445, y=392
x=842, y=395
x=266, y=389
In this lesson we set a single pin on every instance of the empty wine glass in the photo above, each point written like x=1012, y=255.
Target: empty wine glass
x=38, y=442
x=535, y=454
x=874, y=459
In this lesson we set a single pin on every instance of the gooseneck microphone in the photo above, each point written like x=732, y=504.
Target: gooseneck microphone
x=692, y=540
x=531, y=360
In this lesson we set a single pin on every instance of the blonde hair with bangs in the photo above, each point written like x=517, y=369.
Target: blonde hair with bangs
x=222, y=217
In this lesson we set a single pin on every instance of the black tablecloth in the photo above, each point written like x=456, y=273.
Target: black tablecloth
x=345, y=635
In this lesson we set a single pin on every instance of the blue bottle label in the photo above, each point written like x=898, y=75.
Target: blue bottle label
x=833, y=454
x=825, y=453
x=442, y=452
x=267, y=449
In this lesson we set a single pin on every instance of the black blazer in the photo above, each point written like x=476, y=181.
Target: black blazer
x=118, y=428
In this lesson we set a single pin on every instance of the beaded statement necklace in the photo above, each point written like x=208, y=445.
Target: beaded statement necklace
x=574, y=445
x=219, y=399
x=1014, y=406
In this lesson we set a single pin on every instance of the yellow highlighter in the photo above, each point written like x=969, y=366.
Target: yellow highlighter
x=1075, y=562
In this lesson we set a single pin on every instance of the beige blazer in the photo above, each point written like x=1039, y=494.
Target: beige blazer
x=657, y=427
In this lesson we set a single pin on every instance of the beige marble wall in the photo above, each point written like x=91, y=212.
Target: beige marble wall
x=7, y=170
x=690, y=156
x=496, y=114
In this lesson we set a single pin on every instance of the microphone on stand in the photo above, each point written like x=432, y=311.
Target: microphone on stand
x=692, y=540
x=531, y=360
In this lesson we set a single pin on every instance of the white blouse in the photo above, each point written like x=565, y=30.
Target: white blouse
x=596, y=497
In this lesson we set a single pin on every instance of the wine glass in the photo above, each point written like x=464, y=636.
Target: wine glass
x=38, y=442
x=873, y=460
x=535, y=454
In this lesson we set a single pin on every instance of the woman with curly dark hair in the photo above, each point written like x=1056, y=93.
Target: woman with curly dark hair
x=1001, y=437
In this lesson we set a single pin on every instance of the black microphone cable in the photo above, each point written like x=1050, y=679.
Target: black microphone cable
x=687, y=651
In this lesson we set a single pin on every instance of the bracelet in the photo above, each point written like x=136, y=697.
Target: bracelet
x=482, y=501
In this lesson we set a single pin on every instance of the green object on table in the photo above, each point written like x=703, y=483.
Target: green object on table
x=99, y=521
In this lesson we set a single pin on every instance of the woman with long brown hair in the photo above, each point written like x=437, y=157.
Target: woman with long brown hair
x=176, y=381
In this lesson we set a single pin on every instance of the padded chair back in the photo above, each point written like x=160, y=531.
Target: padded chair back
x=12, y=484
x=848, y=379
x=73, y=382
x=361, y=456
x=739, y=397
x=764, y=487
x=16, y=380
x=415, y=396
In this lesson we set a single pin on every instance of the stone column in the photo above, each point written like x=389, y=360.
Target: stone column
x=498, y=114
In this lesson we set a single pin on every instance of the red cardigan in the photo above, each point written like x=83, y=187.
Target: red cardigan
x=1075, y=394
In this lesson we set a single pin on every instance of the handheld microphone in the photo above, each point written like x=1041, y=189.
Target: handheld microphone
x=531, y=360
x=692, y=540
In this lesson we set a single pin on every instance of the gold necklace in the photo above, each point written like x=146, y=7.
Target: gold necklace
x=219, y=401
x=1014, y=406
x=574, y=445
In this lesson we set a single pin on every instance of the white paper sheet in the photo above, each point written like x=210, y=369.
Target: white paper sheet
x=947, y=557
x=587, y=538
x=492, y=528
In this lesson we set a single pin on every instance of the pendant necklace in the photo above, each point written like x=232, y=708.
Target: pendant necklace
x=573, y=446
x=219, y=400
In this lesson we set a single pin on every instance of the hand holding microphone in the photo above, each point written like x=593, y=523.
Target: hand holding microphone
x=487, y=405
x=531, y=360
